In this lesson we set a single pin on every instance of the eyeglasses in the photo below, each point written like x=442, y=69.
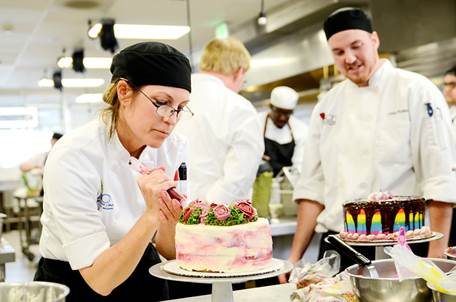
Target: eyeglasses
x=164, y=110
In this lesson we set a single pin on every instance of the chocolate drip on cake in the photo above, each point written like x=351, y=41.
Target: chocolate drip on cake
x=388, y=211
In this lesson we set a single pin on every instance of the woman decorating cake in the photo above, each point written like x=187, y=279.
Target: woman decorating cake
x=101, y=211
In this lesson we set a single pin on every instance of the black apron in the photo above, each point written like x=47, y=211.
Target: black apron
x=280, y=154
x=140, y=286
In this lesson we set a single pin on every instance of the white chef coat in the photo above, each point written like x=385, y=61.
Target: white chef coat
x=225, y=142
x=453, y=115
x=92, y=198
x=283, y=135
x=393, y=135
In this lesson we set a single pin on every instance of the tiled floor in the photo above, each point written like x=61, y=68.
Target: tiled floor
x=22, y=269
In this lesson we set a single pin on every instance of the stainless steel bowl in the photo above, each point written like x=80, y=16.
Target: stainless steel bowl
x=441, y=297
x=388, y=288
x=33, y=292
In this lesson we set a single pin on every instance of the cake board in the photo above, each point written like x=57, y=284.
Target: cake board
x=379, y=245
x=222, y=290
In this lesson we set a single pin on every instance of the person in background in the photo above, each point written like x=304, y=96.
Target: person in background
x=381, y=129
x=225, y=141
x=105, y=198
x=38, y=161
x=449, y=90
x=283, y=133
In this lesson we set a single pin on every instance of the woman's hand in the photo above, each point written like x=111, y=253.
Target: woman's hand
x=152, y=185
x=170, y=209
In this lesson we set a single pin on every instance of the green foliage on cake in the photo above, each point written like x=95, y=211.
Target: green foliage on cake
x=219, y=214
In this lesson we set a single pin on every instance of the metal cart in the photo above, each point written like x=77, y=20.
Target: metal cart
x=29, y=226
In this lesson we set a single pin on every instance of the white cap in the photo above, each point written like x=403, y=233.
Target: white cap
x=284, y=97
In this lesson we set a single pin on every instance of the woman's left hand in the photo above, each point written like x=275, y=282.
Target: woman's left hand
x=170, y=209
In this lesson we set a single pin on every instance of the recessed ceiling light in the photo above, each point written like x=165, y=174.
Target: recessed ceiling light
x=89, y=98
x=144, y=32
x=89, y=62
x=73, y=83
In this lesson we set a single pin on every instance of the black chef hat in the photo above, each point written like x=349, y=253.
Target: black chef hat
x=346, y=18
x=152, y=63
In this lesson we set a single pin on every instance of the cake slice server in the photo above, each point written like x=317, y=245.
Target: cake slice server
x=353, y=254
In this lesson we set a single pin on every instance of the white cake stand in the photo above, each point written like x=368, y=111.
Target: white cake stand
x=222, y=290
x=380, y=244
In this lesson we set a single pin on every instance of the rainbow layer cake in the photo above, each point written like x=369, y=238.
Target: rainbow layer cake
x=381, y=215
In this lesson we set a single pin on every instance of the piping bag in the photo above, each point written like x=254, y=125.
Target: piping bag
x=409, y=265
x=143, y=169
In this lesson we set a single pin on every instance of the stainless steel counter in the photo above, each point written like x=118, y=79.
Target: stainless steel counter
x=283, y=226
x=271, y=293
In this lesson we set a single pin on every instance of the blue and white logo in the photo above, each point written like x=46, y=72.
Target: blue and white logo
x=104, y=202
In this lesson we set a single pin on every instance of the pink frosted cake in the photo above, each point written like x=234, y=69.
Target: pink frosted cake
x=218, y=238
x=382, y=215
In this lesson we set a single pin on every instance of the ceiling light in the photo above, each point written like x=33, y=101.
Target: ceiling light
x=18, y=117
x=89, y=98
x=262, y=20
x=89, y=62
x=73, y=83
x=143, y=32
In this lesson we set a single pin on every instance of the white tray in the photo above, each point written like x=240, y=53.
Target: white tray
x=172, y=267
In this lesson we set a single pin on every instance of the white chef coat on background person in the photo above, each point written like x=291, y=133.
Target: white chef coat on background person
x=394, y=135
x=225, y=143
x=283, y=135
x=453, y=116
x=99, y=200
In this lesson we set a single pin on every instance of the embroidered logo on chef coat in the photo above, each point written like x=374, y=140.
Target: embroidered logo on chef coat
x=104, y=201
x=429, y=109
x=328, y=119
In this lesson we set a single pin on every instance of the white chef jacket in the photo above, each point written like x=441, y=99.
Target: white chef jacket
x=92, y=198
x=393, y=135
x=453, y=116
x=225, y=142
x=283, y=135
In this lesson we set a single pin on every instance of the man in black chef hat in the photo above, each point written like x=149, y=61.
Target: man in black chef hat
x=381, y=129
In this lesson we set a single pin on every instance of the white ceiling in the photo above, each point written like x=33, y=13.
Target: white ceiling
x=34, y=32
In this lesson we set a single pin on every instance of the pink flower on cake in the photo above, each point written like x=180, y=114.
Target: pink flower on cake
x=246, y=208
x=379, y=196
x=187, y=213
x=195, y=204
x=203, y=215
x=221, y=212
x=213, y=205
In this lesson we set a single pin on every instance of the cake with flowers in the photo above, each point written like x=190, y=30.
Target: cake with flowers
x=224, y=239
x=381, y=215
